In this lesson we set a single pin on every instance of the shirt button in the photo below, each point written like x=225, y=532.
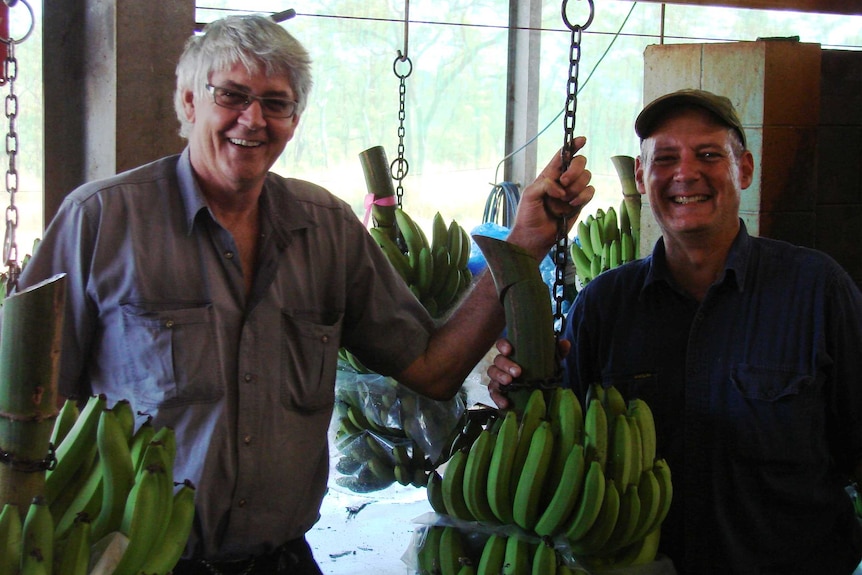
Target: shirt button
x=248, y=377
x=228, y=255
x=325, y=339
x=246, y=439
x=169, y=323
x=241, y=503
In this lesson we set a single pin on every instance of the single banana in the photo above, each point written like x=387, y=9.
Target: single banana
x=637, y=465
x=493, y=556
x=439, y=233
x=627, y=247
x=87, y=501
x=596, y=240
x=610, y=226
x=142, y=519
x=476, y=477
x=584, y=239
x=37, y=538
x=544, y=560
x=442, y=263
x=118, y=470
x=534, y=413
x=382, y=470
x=413, y=236
x=517, y=559
x=596, y=432
x=531, y=484
x=456, y=239
x=140, y=440
x=78, y=447
x=567, y=421
x=621, y=454
x=665, y=483
x=640, y=552
x=602, y=529
x=640, y=410
x=625, y=222
x=589, y=504
x=467, y=569
x=453, y=486
x=615, y=259
x=425, y=272
x=428, y=554
x=582, y=262
x=65, y=420
x=627, y=521
x=449, y=292
x=166, y=553
x=10, y=539
x=435, y=492
x=126, y=415
x=75, y=552
x=650, y=496
x=566, y=494
x=615, y=403
x=500, y=471
x=398, y=260
x=453, y=551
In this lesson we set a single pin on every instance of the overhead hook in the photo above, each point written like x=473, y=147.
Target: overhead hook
x=403, y=55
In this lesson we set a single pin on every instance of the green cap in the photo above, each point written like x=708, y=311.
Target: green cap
x=719, y=106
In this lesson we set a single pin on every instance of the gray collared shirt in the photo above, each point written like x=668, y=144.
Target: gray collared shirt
x=157, y=314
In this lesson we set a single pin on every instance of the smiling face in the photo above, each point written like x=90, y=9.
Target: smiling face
x=232, y=150
x=693, y=169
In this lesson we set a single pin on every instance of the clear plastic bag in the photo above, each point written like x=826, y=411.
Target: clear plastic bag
x=385, y=433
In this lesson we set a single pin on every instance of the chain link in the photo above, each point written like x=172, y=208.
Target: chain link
x=399, y=166
x=561, y=248
x=10, y=246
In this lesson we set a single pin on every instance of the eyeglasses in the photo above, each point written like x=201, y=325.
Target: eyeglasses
x=237, y=100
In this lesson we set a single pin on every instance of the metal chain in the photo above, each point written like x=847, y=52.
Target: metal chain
x=399, y=166
x=561, y=249
x=10, y=247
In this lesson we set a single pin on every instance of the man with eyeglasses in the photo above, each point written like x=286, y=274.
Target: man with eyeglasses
x=214, y=295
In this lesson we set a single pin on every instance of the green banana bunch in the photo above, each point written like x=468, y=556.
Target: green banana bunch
x=555, y=471
x=375, y=448
x=112, y=478
x=605, y=240
x=436, y=270
x=77, y=448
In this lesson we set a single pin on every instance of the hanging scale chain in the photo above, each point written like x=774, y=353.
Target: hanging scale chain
x=10, y=247
x=561, y=249
x=400, y=167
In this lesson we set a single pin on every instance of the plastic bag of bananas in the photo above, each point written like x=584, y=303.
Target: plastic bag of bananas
x=384, y=433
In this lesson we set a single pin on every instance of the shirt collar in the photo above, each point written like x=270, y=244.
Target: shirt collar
x=281, y=213
x=734, y=267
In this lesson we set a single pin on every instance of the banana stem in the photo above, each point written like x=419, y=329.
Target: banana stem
x=529, y=317
x=378, y=180
x=29, y=368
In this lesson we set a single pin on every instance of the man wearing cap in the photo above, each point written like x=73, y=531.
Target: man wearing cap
x=747, y=349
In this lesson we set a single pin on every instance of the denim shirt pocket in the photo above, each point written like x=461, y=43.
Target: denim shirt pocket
x=773, y=416
x=170, y=348
x=309, y=356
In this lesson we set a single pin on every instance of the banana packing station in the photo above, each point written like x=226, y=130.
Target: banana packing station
x=566, y=479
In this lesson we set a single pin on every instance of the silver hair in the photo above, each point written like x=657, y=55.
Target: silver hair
x=257, y=42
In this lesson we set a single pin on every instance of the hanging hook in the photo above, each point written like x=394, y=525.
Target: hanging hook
x=403, y=55
x=583, y=26
x=11, y=4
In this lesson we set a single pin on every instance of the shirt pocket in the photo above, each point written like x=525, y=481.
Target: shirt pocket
x=173, y=353
x=309, y=356
x=773, y=415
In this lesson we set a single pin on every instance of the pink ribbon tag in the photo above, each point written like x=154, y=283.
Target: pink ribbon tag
x=370, y=201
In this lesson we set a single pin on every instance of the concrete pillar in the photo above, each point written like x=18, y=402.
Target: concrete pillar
x=108, y=70
x=522, y=90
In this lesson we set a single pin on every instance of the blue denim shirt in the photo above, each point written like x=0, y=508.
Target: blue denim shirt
x=757, y=396
x=157, y=313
